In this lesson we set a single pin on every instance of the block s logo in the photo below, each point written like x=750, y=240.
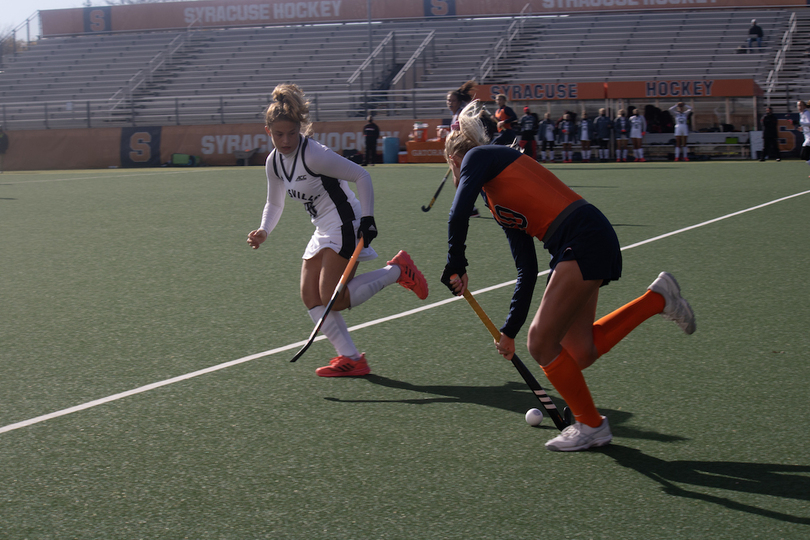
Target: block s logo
x=440, y=8
x=139, y=144
x=97, y=19
x=140, y=147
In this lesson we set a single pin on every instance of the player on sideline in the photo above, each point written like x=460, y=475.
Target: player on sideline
x=314, y=175
x=586, y=133
x=530, y=202
x=602, y=126
x=680, y=112
x=566, y=131
x=621, y=126
x=638, y=127
x=547, y=131
x=804, y=124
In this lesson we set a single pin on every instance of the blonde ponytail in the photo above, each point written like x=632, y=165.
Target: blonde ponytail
x=471, y=131
x=288, y=104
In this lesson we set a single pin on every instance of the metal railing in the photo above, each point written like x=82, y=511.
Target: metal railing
x=218, y=109
x=419, y=53
x=779, y=60
x=503, y=46
x=145, y=75
x=378, y=57
x=9, y=43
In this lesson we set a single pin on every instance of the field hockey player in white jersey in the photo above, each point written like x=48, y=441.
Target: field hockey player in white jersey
x=804, y=125
x=317, y=177
x=638, y=127
x=680, y=112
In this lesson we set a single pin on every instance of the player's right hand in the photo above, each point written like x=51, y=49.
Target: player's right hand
x=256, y=238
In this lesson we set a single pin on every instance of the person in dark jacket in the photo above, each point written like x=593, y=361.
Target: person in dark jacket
x=372, y=133
x=770, y=135
x=3, y=147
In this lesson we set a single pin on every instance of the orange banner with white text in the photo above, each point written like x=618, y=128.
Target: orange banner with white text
x=232, y=13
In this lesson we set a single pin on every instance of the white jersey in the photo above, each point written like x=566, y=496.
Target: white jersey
x=318, y=178
x=584, y=130
x=681, y=118
x=638, y=125
x=804, y=122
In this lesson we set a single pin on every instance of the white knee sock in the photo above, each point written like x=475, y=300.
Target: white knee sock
x=364, y=286
x=335, y=330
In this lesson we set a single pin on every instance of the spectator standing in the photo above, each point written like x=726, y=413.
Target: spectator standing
x=547, y=132
x=621, y=127
x=505, y=117
x=638, y=128
x=602, y=126
x=528, y=132
x=770, y=135
x=681, y=112
x=755, y=34
x=3, y=147
x=372, y=133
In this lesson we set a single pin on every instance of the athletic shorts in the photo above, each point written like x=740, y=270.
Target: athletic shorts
x=586, y=236
x=805, y=155
x=681, y=130
x=604, y=143
x=338, y=240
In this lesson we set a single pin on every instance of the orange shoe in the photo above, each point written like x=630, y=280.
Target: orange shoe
x=343, y=366
x=410, y=277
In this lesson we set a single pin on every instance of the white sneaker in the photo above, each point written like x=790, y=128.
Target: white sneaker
x=581, y=437
x=677, y=308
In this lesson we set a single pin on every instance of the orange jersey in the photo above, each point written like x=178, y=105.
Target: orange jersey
x=527, y=196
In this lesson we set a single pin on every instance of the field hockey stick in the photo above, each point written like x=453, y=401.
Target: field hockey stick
x=540, y=394
x=341, y=284
x=433, y=200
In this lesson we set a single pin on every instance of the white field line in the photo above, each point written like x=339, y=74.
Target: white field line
x=291, y=346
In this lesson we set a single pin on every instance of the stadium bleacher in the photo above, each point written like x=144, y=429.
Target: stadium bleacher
x=225, y=75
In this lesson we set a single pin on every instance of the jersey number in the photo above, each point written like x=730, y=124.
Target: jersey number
x=510, y=218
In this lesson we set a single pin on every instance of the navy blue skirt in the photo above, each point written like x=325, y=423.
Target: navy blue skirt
x=586, y=236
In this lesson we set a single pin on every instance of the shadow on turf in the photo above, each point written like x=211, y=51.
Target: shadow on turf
x=783, y=481
x=511, y=396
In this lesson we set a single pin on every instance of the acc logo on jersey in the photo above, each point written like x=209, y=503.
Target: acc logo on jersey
x=301, y=178
x=510, y=218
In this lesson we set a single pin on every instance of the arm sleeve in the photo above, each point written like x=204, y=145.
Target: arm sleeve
x=275, y=201
x=523, y=251
x=322, y=160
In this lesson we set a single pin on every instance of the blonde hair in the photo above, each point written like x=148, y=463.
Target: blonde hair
x=288, y=104
x=471, y=131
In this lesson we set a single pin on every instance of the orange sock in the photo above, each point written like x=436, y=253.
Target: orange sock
x=565, y=375
x=612, y=328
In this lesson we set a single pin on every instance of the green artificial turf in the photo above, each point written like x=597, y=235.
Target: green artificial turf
x=116, y=279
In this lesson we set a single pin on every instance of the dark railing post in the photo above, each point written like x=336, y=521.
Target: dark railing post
x=177, y=110
x=88, y=113
x=222, y=109
x=46, y=116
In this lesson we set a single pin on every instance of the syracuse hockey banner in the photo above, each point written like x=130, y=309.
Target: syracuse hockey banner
x=227, y=13
x=679, y=88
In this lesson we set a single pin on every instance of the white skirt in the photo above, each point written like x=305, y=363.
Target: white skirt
x=333, y=239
